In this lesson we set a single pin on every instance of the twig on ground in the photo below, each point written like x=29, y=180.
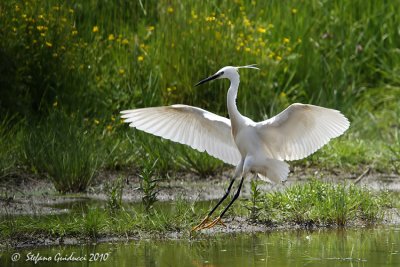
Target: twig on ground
x=362, y=175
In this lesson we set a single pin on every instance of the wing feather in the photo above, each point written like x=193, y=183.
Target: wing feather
x=300, y=130
x=198, y=128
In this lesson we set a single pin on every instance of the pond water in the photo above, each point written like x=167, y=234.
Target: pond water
x=351, y=247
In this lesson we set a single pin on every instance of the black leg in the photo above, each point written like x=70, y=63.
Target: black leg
x=233, y=199
x=223, y=197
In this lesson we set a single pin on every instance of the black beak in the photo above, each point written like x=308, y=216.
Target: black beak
x=213, y=77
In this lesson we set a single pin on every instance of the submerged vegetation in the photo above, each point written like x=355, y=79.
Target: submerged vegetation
x=68, y=68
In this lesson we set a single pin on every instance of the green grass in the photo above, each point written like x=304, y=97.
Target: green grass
x=97, y=222
x=313, y=204
x=92, y=59
x=63, y=151
x=10, y=137
x=320, y=203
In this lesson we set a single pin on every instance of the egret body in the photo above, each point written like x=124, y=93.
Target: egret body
x=261, y=147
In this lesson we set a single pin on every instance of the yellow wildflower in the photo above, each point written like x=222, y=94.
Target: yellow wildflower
x=49, y=44
x=278, y=58
x=95, y=29
x=271, y=55
x=96, y=121
x=247, y=49
x=246, y=22
x=150, y=28
x=286, y=40
x=212, y=18
x=140, y=58
x=261, y=29
x=170, y=9
x=109, y=127
x=111, y=37
x=121, y=71
x=74, y=32
x=125, y=41
x=294, y=11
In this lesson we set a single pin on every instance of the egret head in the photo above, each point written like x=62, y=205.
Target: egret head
x=227, y=72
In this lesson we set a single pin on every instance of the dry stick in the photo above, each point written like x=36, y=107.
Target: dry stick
x=362, y=176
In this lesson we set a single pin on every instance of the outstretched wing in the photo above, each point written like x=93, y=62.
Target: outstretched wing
x=198, y=128
x=300, y=130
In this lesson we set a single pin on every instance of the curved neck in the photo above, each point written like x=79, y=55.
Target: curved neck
x=231, y=99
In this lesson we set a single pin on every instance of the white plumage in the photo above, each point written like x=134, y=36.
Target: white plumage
x=295, y=133
x=196, y=127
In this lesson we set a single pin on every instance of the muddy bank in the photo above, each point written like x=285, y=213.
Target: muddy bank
x=234, y=225
x=26, y=195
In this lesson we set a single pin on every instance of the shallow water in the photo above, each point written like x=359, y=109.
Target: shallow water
x=355, y=247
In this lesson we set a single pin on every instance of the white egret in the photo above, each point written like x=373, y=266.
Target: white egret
x=261, y=147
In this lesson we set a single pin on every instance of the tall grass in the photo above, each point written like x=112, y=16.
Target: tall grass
x=10, y=138
x=60, y=149
x=97, y=57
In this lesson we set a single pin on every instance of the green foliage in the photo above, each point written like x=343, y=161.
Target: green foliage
x=395, y=153
x=255, y=204
x=197, y=162
x=149, y=186
x=97, y=57
x=61, y=149
x=322, y=203
x=114, y=192
x=10, y=137
x=93, y=222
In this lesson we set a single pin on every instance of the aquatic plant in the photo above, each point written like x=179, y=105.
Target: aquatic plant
x=256, y=202
x=114, y=191
x=148, y=185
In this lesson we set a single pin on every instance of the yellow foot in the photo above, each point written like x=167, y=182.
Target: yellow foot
x=213, y=223
x=202, y=225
